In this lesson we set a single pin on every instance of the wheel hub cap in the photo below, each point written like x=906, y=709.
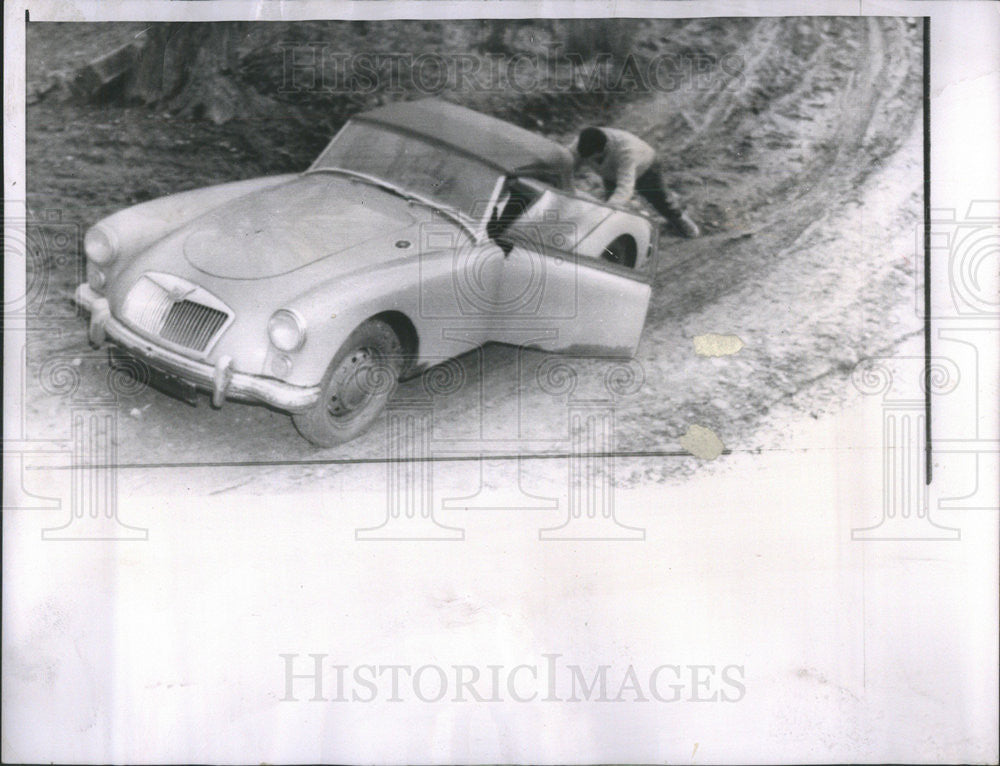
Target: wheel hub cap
x=352, y=387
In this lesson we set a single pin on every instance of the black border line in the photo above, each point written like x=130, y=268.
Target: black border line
x=464, y=458
x=928, y=466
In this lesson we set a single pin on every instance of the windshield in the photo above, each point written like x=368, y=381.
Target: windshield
x=415, y=166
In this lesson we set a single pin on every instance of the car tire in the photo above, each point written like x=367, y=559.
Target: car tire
x=356, y=386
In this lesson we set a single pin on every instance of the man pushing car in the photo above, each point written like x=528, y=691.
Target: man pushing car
x=627, y=164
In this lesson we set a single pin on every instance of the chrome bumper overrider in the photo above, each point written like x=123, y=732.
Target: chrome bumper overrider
x=219, y=379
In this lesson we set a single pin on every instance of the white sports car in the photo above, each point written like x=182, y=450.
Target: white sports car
x=422, y=231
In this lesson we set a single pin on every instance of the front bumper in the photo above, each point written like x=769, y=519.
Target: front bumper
x=218, y=379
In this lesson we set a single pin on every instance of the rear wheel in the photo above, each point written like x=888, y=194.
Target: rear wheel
x=356, y=386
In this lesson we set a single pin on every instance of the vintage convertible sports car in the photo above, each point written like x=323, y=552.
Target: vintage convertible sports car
x=423, y=230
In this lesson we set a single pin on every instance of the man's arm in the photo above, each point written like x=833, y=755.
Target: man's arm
x=573, y=149
x=629, y=155
x=625, y=178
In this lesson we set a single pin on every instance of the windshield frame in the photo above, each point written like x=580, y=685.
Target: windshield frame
x=475, y=226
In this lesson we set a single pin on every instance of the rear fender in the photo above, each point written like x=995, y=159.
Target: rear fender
x=616, y=225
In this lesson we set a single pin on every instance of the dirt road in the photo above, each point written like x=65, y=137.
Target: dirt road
x=804, y=169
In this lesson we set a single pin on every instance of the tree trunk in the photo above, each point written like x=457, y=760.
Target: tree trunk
x=190, y=69
x=193, y=69
x=595, y=37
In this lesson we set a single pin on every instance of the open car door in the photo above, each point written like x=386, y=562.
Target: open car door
x=576, y=276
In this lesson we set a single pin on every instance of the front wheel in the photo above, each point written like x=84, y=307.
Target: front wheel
x=356, y=386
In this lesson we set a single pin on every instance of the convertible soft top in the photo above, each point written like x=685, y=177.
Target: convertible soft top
x=510, y=148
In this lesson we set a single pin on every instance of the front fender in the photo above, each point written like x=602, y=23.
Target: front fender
x=334, y=309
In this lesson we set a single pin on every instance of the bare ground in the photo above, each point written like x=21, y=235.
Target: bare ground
x=804, y=169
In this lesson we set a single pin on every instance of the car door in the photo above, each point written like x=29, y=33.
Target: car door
x=459, y=281
x=460, y=272
x=557, y=290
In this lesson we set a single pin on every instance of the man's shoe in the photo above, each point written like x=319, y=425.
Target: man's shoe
x=686, y=227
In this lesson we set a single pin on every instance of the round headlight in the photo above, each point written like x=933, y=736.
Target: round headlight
x=99, y=244
x=287, y=330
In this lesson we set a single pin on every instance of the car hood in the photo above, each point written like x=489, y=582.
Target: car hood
x=287, y=227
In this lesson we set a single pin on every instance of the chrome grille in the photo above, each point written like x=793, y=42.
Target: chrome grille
x=192, y=325
x=167, y=308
